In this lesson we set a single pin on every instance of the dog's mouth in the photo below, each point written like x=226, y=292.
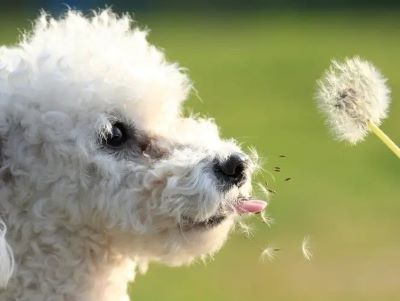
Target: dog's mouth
x=211, y=222
x=241, y=207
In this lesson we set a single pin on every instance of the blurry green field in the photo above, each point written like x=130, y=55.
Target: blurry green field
x=256, y=76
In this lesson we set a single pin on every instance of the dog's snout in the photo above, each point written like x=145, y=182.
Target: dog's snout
x=232, y=169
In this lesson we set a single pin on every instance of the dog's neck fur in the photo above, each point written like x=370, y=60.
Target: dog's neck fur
x=82, y=267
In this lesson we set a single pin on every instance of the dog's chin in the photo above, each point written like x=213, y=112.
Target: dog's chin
x=175, y=246
x=200, y=239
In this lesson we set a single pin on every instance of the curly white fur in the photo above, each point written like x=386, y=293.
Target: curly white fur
x=82, y=217
x=6, y=257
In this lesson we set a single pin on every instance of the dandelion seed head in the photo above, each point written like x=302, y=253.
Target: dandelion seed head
x=351, y=94
x=305, y=248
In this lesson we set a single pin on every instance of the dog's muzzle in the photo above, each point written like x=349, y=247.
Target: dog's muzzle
x=229, y=172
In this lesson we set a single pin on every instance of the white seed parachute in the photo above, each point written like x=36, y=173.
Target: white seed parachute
x=306, y=249
x=269, y=253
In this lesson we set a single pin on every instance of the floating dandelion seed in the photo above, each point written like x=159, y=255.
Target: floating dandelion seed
x=269, y=253
x=246, y=229
x=206, y=259
x=305, y=248
x=269, y=190
x=355, y=98
x=264, y=189
x=266, y=219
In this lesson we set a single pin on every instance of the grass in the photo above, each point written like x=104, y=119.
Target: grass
x=256, y=74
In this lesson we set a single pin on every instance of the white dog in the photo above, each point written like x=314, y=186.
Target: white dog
x=100, y=172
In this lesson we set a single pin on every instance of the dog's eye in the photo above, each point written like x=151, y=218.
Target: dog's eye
x=117, y=136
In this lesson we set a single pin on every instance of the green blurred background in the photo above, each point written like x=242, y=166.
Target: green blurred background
x=255, y=68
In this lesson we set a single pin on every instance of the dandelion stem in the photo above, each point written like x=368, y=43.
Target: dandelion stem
x=384, y=138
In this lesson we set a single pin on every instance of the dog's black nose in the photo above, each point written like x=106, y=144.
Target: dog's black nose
x=232, y=169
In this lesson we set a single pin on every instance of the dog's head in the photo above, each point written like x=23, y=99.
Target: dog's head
x=92, y=126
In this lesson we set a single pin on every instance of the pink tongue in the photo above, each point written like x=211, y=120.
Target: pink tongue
x=250, y=206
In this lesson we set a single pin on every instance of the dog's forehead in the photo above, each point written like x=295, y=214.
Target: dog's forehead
x=95, y=62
